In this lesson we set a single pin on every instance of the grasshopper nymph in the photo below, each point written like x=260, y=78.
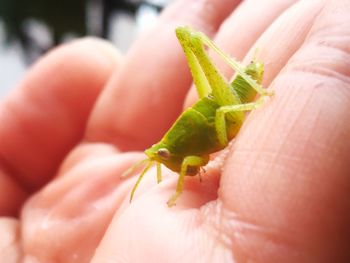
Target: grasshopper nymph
x=213, y=120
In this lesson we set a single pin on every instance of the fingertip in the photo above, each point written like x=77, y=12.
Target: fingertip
x=45, y=116
x=101, y=50
x=77, y=57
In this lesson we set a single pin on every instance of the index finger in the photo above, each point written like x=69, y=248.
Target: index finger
x=146, y=95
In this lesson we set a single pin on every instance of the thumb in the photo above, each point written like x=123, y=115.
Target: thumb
x=287, y=179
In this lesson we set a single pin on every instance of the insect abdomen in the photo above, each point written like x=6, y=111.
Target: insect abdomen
x=245, y=92
x=192, y=134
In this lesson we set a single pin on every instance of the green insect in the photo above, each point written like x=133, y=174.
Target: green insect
x=213, y=120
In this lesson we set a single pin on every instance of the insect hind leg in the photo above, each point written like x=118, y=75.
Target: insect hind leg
x=233, y=64
x=203, y=88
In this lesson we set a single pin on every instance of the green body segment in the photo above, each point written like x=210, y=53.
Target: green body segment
x=194, y=132
x=193, y=127
x=185, y=138
x=243, y=90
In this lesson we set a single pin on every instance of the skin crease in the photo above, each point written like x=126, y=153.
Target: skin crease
x=279, y=194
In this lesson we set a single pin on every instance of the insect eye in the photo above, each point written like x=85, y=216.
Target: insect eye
x=163, y=153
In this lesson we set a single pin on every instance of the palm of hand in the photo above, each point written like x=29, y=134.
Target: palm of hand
x=273, y=200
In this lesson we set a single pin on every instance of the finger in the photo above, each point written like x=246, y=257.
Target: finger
x=146, y=95
x=286, y=183
x=46, y=115
x=240, y=31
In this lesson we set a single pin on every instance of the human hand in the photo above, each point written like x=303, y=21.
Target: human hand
x=280, y=195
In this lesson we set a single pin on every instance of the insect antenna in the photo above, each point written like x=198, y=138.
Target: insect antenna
x=134, y=167
x=150, y=163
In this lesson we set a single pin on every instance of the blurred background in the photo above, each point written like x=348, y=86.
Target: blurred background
x=29, y=28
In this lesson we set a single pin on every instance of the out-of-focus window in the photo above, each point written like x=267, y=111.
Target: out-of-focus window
x=30, y=28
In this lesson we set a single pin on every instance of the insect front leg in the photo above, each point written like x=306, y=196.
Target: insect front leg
x=159, y=173
x=220, y=117
x=195, y=161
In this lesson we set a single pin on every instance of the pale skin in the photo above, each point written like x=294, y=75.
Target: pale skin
x=281, y=194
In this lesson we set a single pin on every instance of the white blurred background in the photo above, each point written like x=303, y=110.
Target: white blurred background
x=30, y=28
